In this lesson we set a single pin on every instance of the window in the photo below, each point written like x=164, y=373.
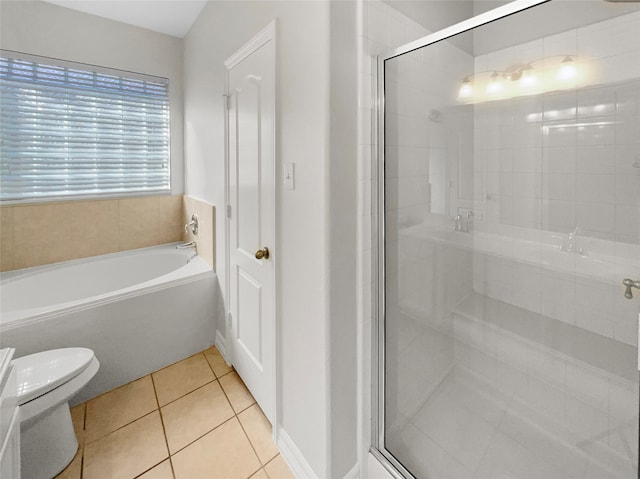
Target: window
x=76, y=130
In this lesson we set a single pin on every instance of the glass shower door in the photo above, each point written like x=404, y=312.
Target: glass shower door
x=511, y=213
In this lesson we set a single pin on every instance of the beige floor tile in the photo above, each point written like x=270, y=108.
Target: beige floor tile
x=192, y=416
x=239, y=396
x=258, y=428
x=181, y=378
x=161, y=471
x=74, y=469
x=279, y=469
x=127, y=452
x=223, y=453
x=119, y=407
x=260, y=475
x=217, y=362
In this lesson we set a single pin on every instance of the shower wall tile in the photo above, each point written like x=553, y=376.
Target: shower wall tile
x=560, y=160
x=590, y=139
x=596, y=160
x=52, y=232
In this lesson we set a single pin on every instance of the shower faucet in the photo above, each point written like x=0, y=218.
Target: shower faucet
x=463, y=224
x=457, y=223
x=569, y=243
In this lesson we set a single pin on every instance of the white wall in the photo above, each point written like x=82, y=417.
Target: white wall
x=314, y=411
x=342, y=235
x=48, y=30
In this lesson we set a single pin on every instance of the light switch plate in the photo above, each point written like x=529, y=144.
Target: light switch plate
x=289, y=176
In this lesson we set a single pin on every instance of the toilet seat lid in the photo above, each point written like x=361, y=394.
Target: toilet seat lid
x=39, y=373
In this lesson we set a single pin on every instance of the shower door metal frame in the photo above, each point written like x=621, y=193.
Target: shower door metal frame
x=378, y=450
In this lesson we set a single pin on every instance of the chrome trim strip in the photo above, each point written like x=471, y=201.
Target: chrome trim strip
x=469, y=24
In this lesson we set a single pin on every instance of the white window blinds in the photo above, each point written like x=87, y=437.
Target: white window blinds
x=74, y=130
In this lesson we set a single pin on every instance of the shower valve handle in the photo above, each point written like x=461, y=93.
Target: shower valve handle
x=629, y=283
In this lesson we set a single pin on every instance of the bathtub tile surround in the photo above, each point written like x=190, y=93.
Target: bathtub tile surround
x=128, y=432
x=6, y=239
x=206, y=239
x=53, y=232
x=149, y=221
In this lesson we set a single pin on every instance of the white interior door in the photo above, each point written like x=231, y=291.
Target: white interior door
x=251, y=215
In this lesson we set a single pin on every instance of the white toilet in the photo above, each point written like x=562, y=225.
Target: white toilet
x=46, y=382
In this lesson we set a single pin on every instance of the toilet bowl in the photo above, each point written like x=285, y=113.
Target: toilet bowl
x=46, y=382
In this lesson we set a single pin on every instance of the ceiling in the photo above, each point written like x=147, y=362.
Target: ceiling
x=172, y=17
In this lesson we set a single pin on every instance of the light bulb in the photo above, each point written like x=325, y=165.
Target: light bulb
x=466, y=90
x=495, y=85
x=567, y=69
x=528, y=78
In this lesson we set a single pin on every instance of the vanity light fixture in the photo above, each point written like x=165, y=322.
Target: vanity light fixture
x=519, y=79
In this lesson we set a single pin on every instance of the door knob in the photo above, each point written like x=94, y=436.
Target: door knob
x=629, y=283
x=262, y=253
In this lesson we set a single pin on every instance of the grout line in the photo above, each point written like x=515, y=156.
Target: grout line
x=200, y=437
x=147, y=470
x=84, y=438
x=186, y=394
x=228, y=372
x=122, y=427
x=245, y=386
x=207, y=360
x=164, y=430
x=211, y=366
x=256, y=472
x=250, y=442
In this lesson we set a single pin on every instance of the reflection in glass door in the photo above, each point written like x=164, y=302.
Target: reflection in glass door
x=511, y=179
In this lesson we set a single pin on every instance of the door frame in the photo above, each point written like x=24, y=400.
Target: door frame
x=267, y=34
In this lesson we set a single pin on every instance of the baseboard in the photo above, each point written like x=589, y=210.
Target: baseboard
x=221, y=345
x=293, y=457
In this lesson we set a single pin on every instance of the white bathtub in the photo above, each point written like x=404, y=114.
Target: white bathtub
x=138, y=310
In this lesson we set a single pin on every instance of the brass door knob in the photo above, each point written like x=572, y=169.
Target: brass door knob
x=262, y=253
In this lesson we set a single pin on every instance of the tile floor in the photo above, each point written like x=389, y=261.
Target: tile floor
x=194, y=419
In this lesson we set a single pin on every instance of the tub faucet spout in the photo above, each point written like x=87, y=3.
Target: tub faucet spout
x=190, y=244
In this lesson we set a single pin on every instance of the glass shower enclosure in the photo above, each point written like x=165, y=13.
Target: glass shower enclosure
x=509, y=217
